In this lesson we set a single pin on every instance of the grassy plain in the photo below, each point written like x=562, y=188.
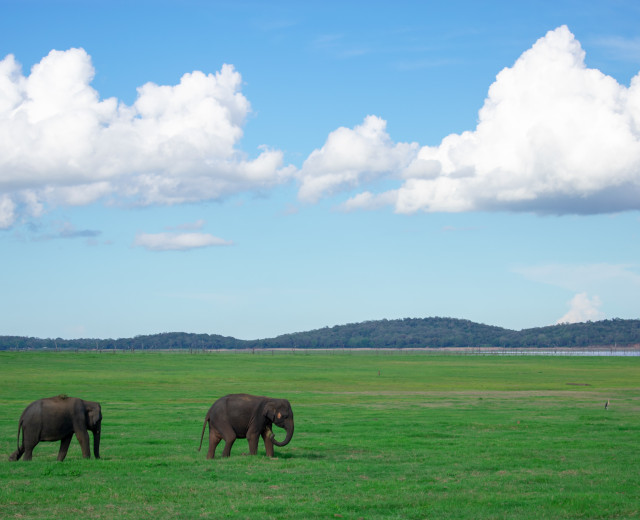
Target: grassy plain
x=392, y=436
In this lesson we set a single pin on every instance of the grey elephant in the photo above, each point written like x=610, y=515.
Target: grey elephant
x=247, y=416
x=57, y=419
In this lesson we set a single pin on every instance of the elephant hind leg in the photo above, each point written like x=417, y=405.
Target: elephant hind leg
x=64, y=447
x=225, y=432
x=28, y=453
x=29, y=441
x=214, y=440
x=228, y=443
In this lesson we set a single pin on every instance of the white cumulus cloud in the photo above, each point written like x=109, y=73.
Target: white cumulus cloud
x=172, y=241
x=61, y=144
x=552, y=136
x=351, y=157
x=583, y=308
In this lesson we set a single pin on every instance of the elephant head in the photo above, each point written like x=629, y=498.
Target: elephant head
x=94, y=424
x=279, y=412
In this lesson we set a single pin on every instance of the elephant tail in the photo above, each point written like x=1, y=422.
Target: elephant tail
x=204, y=426
x=20, y=429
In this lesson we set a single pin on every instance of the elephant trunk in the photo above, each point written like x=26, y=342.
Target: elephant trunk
x=289, y=428
x=96, y=443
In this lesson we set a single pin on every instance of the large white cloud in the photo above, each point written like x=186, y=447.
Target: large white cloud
x=552, y=136
x=61, y=144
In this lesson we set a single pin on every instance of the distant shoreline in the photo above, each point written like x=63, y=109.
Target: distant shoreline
x=466, y=351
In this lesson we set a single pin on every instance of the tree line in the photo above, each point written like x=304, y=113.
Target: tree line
x=400, y=333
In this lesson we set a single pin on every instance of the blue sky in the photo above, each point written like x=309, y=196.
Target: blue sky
x=257, y=168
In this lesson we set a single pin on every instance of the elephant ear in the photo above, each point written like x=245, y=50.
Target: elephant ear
x=270, y=411
x=93, y=415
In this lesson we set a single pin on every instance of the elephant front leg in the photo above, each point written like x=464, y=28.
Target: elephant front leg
x=83, y=439
x=64, y=447
x=267, y=435
x=253, y=440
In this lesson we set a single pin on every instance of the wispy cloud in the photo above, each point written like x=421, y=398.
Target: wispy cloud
x=623, y=49
x=274, y=25
x=80, y=233
x=338, y=46
x=581, y=277
x=182, y=237
x=66, y=230
x=423, y=63
x=328, y=41
x=178, y=241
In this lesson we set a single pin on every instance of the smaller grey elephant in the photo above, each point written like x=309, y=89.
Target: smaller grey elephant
x=57, y=419
x=244, y=416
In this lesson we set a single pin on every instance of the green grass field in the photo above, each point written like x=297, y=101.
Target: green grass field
x=377, y=436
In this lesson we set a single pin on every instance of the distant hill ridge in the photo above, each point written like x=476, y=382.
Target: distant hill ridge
x=400, y=333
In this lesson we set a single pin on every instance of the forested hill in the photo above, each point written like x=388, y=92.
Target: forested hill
x=403, y=333
x=450, y=332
